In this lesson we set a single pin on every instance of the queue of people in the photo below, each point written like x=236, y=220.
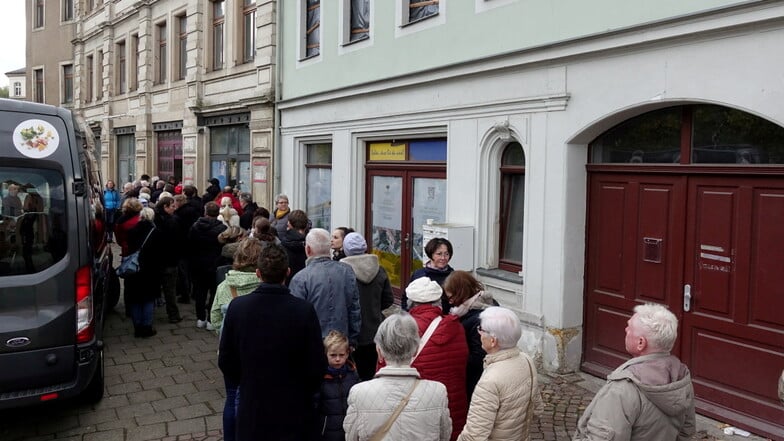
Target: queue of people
x=310, y=350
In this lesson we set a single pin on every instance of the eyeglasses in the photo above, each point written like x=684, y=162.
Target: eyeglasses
x=443, y=254
x=480, y=329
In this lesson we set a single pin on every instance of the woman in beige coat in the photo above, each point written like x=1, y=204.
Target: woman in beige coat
x=502, y=403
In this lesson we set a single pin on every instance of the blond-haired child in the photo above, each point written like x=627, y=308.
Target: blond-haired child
x=341, y=375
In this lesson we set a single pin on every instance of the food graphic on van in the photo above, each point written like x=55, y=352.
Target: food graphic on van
x=36, y=138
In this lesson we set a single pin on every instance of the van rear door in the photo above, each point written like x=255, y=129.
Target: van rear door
x=39, y=254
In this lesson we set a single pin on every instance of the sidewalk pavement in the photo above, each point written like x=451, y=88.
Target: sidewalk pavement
x=565, y=398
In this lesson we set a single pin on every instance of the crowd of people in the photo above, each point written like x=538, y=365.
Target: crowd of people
x=310, y=347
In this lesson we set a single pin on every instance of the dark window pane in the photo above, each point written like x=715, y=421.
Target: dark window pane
x=513, y=193
x=313, y=21
x=653, y=137
x=319, y=154
x=722, y=135
x=513, y=155
x=33, y=230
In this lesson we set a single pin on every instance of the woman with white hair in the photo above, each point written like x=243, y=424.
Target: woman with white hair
x=397, y=404
x=228, y=215
x=142, y=288
x=503, y=401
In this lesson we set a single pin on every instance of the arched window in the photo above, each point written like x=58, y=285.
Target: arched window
x=695, y=134
x=512, y=173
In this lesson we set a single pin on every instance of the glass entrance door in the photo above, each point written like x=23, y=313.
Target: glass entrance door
x=401, y=202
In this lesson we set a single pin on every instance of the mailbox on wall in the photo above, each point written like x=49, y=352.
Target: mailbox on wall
x=460, y=236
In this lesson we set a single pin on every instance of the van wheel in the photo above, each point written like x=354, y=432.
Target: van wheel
x=94, y=391
x=113, y=290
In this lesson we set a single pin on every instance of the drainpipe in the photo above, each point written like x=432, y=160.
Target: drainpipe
x=276, y=149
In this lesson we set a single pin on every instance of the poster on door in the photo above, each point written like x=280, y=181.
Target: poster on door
x=387, y=213
x=429, y=203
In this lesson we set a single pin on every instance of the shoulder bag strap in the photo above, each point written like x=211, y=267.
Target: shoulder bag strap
x=148, y=236
x=529, y=412
x=382, y=432
x=426, y=336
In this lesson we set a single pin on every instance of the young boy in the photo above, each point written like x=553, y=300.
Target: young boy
x=341, y=375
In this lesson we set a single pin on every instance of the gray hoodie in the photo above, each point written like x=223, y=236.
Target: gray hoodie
x=647, y=398
x=375, y=293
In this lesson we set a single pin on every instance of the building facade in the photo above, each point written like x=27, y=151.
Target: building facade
x=49, y=54
x=599, y=161
x=17, y=84
x=179, y=88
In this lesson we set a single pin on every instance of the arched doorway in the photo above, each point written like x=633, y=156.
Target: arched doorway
x=685, y=206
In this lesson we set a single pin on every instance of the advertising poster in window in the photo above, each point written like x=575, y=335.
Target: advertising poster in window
x=429, y=203
x=387, y=218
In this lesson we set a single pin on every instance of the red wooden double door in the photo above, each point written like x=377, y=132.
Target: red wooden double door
x=711, y=247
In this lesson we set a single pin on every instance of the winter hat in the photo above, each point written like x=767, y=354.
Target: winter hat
x=354, y=244
x=423, y=290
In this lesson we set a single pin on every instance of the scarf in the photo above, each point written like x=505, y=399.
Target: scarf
x=461, y=310
x=279, y=214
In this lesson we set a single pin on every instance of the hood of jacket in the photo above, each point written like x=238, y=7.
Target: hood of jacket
x=242, y=279
x=365, y=266
x=662, y=378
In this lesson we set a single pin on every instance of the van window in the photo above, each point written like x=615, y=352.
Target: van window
x=33, y=233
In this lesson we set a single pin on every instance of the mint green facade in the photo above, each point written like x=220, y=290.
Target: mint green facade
x=466, y=34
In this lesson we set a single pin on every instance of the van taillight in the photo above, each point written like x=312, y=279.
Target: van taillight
x=85, y=327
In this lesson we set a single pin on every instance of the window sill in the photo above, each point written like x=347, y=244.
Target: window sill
x=500, y=274
x=358, y=40
x=419, y=20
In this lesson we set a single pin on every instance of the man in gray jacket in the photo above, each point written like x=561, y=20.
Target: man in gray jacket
x=329, y=286
x=650, y=397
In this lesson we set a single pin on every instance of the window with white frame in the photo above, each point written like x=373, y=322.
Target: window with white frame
x=182, y=47
x=161, y=52
x=218, y=25
x=318, y=201
x=357, y=20
x=416, y=10
x=17, y=88
x=311, y=37
x=248, y=30
x=68, y=10
x=122, y=68
x=38, y=14
x=68, y=83
x=512, y=197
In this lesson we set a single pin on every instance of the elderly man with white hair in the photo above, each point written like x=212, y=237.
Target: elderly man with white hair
x=650, y=397
x=397, y=404
x=329, y=286
x=503, y=401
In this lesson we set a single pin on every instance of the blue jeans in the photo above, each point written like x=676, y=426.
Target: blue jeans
x=141, y=313
x=230, y=410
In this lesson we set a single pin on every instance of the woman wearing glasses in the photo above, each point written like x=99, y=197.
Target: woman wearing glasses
x=437, y=269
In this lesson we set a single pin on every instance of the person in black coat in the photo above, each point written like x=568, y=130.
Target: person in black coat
x=170, y=240
x=271, y=346
x=294, y=242
x=248, y=210
x=140, y=288
x=204, y=251
x=437, y=269
x=212, y=191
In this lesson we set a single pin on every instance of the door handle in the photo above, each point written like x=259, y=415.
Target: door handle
x=686, y=298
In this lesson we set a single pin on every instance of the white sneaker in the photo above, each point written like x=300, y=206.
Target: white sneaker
x=209, y=326
x=201, y=323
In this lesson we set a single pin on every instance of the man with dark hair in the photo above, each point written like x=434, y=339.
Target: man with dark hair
x=189, y=209
x=205, y=249
x=294, y=241
x=271, y=346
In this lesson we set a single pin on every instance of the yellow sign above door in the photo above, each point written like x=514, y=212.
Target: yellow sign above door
x=386, y=151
